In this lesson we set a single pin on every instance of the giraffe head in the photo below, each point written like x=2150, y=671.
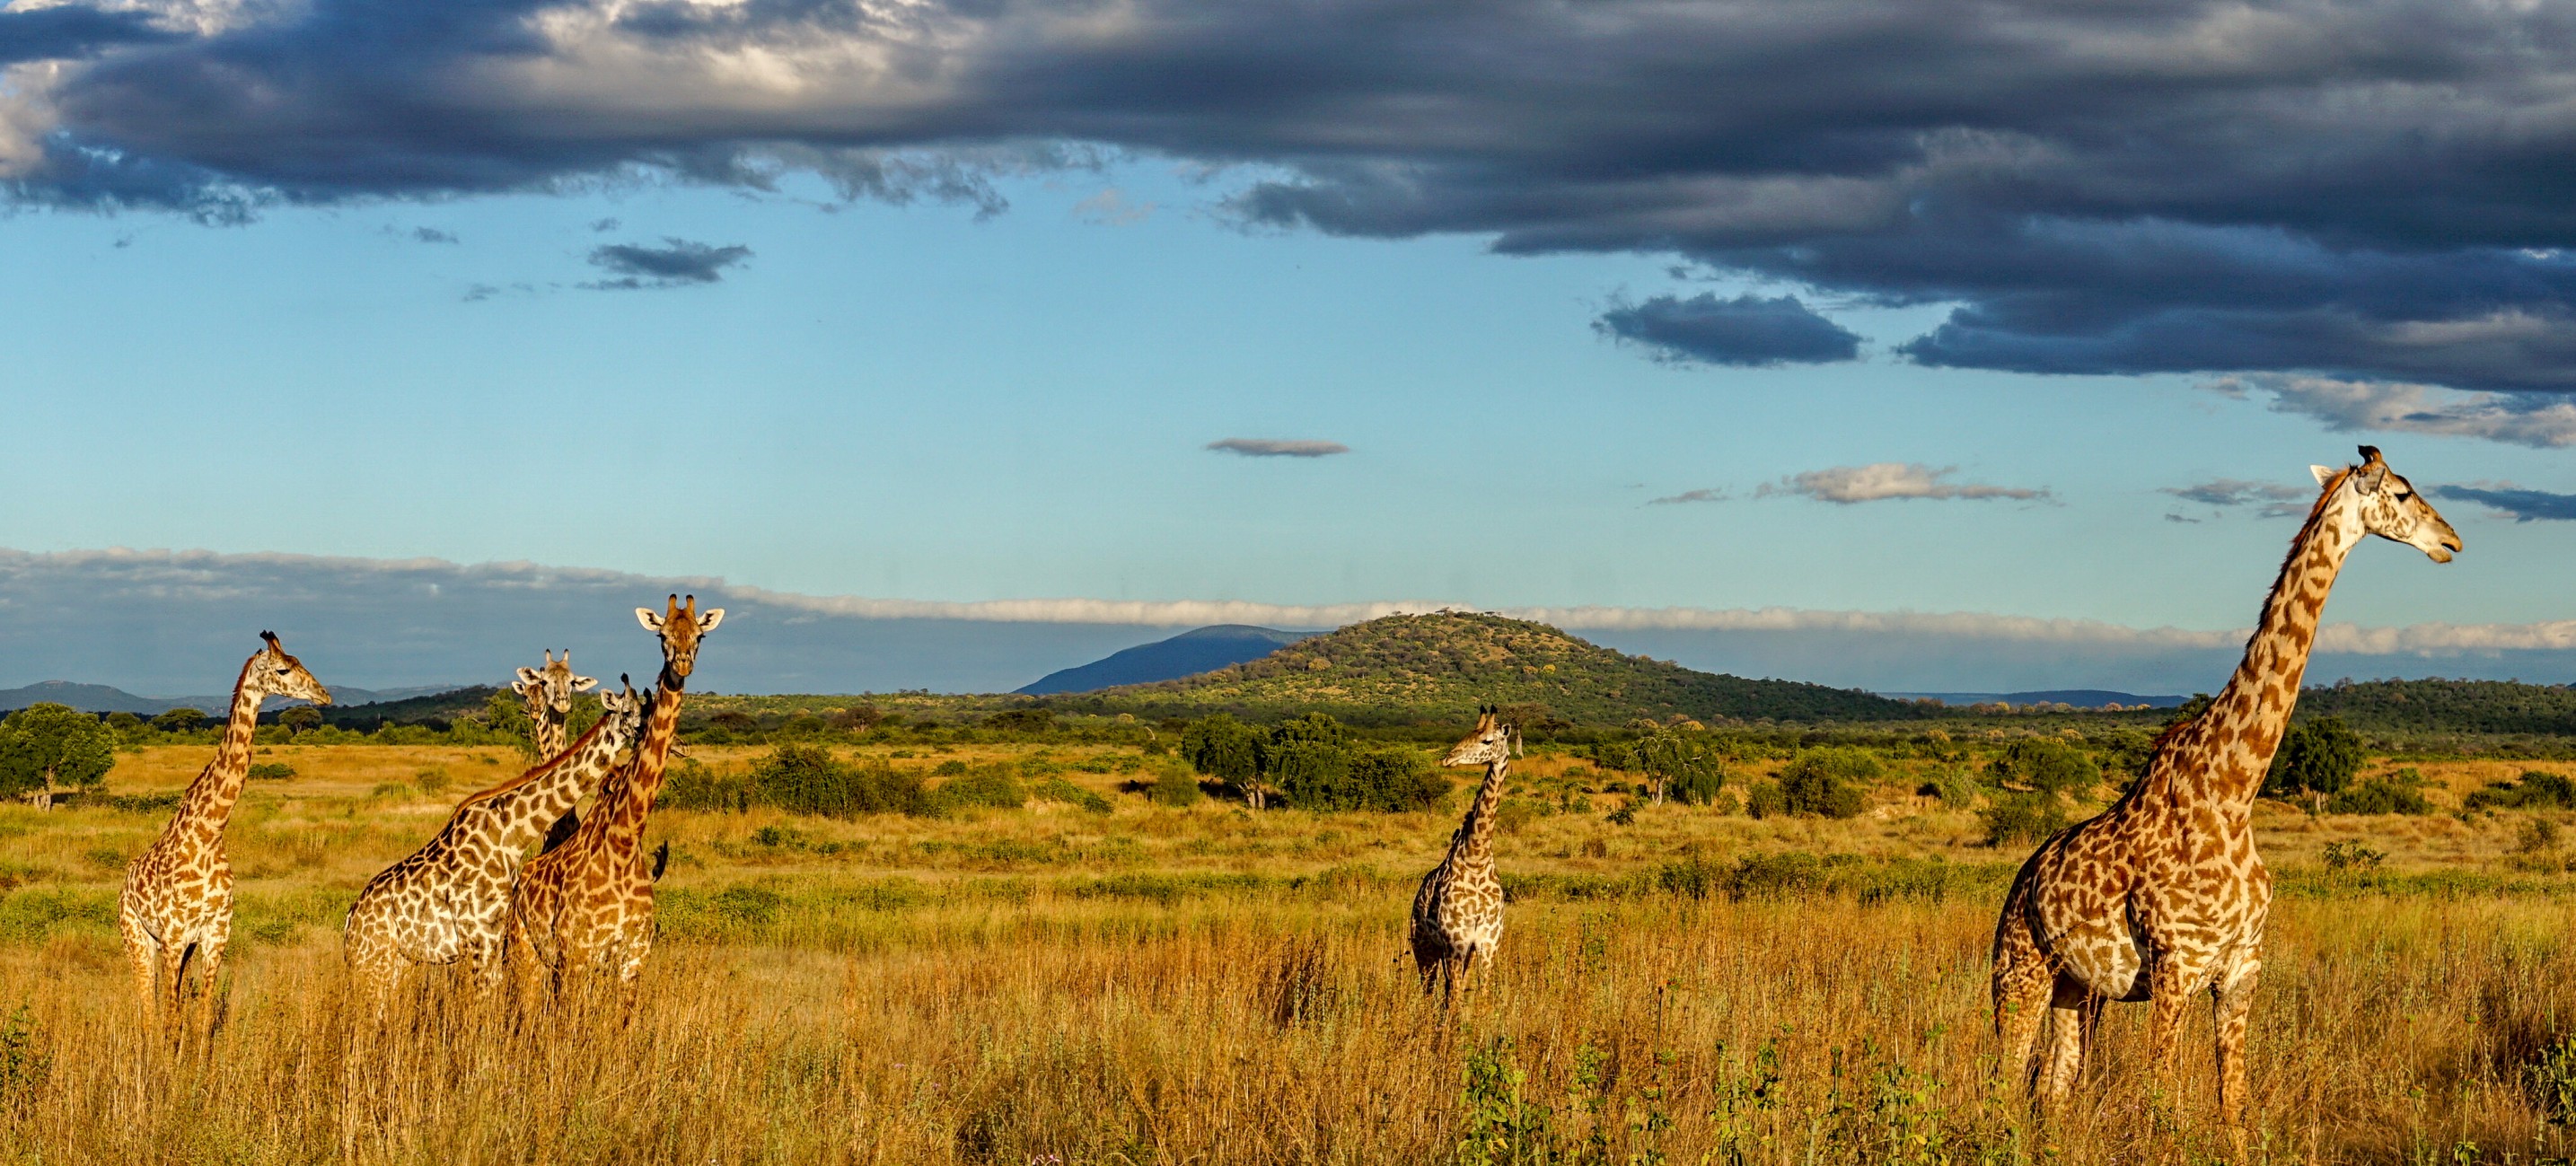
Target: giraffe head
x=274, y=673
x=680, y=628
x=2387, y=505
x=1491, y=741
x=622, y=711
x=550, y=689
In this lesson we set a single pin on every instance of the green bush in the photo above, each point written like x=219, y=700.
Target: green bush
x=1223, y=748
x=271, y=771
x=1057, y=789
x=990, y=787
x=2050, y=767
x=690, y=785
x=2026, y=817
x=2380, y=795
x=805, y=779
x=1382, y=780
x=2534, y=790
x=2321, y=756
x=1175, y=787
x=1814, y=783
x=1766, y=800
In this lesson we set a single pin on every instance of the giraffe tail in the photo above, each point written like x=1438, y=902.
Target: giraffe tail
x=661, y=859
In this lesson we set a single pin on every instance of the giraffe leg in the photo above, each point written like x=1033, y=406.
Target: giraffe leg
x=210, y=987
x=2170, y=988
x=2022, y=989
x=2071, y=1009
x=2230, y=1002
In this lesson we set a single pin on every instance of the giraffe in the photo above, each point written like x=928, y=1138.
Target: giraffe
x=589, y=902
x=176, y=910
x=444, y=902
x=2162, y=895
x=1458, y=913
x=548, y=692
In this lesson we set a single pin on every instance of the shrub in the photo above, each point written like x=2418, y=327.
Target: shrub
x=2026, y=817
x=1057, y=789
x=431, y=782
x=1813, y=784
x=2379, y=795
x=1223, y=748
x=804, y=779
x=1175, y=787
x=1766, y=800
x=271, y=771
x=2050, y=767
x=991, y=787
x=690, y=785
x=2321, y=756
x=2343, y=856
x=2534, y=790
x=1383, y=780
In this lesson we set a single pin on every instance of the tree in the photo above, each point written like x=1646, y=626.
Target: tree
x=179, y=720
x=1681, y=763
x=45, y=746
x=506, y=713
x=301, y=718
x=2319, y=758
x=2045, y=766
x=1225, y=749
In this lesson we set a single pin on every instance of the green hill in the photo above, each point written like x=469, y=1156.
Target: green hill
x=437, y=708
x=2446, y=706
x=1407, y=667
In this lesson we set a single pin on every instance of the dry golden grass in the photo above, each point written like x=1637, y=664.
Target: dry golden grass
x=1212, y=986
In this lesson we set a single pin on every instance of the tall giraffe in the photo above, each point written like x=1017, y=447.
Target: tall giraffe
x=548, y=693
x=1458, y=913
x=2162, y=895
x=589, y=902
x=176, y=911
x=444, y=902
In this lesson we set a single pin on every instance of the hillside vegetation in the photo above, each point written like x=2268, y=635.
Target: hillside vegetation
x=1407, y=667
x=2446, y=706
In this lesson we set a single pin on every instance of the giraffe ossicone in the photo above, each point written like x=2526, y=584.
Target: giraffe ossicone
x=2162, y=895
x=175, y=912
x=1458, y=910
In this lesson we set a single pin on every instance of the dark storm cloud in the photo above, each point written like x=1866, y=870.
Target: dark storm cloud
x=2523, y=505
x=72, y=30
x=1747, y=331
x=2371, y=190
x=676, y=263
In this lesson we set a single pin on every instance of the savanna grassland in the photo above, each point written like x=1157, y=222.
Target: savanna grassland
x=1201, y=983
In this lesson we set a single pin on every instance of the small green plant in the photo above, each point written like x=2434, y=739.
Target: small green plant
x=2553, y=1082
x=2023, y=818
x=1175, y=787
x=2352, y=856
x=2382, y=795
x=271, y=771
x=22, y=1068
x=431, y=782
x=1057, y=789
x=2536, y=836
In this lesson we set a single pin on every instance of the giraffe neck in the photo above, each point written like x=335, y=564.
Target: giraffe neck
x=212, y=796
x=1476, y=836
x=549, y=729
x=2221, y=758
x=628, y=797
x=557, y=785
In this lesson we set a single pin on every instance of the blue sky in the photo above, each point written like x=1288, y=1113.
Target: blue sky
x=1009, y=393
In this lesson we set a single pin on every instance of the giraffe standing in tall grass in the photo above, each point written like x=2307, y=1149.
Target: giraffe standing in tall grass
x=589, y=902
x=548, y=693
x=176, y=910
x=1458, y=912
x=444, y=902
x=2162, y=895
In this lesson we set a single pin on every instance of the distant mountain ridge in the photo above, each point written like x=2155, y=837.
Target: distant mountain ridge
x=101, y=698
x=1187, y=654
x=2083, y=698
x=1403, y=668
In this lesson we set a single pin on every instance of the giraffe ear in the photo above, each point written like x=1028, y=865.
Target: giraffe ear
x=2370, y=475
x=527, y=678
x=583, y=684
x=2324, y=475
x=652, y=622
x=709, y=619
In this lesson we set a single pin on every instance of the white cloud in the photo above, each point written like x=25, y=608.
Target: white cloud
x=2541, y=420
x=1688, y=496
x=1110, y=208
x=1881, y=481
x=1277, y=447
x=2278, y=500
